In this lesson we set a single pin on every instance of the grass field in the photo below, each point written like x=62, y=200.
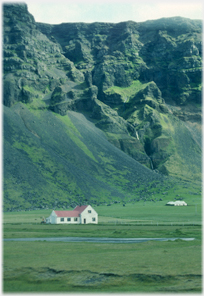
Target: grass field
x=140, y=212
x=172, y=266
x=151, y=266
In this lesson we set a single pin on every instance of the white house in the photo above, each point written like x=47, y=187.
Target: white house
x=80, y=215
x=176, y=203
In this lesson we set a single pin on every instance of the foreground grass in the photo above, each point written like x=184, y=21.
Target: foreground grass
x=115, y=231
x=56, y=266
x=172, y=266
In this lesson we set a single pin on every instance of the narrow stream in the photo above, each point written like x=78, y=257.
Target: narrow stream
x=96, y=239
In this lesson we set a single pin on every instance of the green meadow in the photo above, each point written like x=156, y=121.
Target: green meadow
x=170, y=266
x=142, y=212
x=93, y=267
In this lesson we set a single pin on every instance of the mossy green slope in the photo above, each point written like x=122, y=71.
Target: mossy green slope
x=139, y=83
x=52, y=160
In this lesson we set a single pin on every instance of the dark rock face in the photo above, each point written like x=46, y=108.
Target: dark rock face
x=31, y=58
x=166, y=51
x=140, y=83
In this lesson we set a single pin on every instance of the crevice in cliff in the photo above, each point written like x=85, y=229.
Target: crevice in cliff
x=147, y=148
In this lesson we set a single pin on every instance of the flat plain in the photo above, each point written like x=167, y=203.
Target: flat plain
x=171, y=266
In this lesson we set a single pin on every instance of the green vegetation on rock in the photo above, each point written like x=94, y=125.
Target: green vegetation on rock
x=78, y=94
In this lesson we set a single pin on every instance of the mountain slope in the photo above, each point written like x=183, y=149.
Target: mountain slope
x=95, y=112
x=52, y=160
x=144, y=72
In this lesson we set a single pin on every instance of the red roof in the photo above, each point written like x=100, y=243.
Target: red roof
x=75, y=213
x=80, y=209
x=64, y=214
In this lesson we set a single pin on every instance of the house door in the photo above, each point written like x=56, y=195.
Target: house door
x=84, y=221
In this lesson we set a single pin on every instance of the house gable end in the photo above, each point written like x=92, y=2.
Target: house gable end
x=80, y=209
x=89, y=210
x=53, y=214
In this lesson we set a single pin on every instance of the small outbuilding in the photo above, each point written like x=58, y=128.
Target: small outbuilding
x=80, y=215
x=176, y=203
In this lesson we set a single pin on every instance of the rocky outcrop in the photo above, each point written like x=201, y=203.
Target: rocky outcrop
x=31, y=60
x=134, y=81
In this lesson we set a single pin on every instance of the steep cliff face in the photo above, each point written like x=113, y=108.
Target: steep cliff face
x=167, y=51
x=33, y=65
x=145, y=72
x=140, y=83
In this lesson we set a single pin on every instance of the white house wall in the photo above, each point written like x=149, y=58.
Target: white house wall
x=53, y=218
x=88, y=215
x=68, y=222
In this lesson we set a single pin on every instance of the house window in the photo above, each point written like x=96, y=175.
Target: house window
x=62, y=219
x=93, y=219
x=89, y=211
x=75, y=219
x=69, y=219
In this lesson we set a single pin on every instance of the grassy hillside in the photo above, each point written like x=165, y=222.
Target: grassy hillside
x=99, y=113
x=57, y=161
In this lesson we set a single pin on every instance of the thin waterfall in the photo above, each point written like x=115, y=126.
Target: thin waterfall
x=151, y=163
